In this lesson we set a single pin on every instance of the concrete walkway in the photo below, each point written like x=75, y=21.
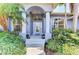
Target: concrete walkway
x=35, y=51
x=35, y=45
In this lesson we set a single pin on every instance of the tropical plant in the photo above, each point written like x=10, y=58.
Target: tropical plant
x=11, y=44
x=77, y=33
x=11, y=10
x=64, y=41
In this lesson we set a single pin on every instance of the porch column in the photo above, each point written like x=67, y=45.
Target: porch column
x=65, y=18
x=28, y=25
x=10, y=24
x=75, y=16
x=48, y=34
x=24, y=23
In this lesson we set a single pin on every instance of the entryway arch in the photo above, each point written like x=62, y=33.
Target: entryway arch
x=35, y=19
x=35, y=8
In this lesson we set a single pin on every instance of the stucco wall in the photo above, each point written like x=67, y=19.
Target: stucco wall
x=70, y=24
x=45, y=7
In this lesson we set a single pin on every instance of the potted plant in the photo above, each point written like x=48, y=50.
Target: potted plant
x=43, y=36
x=27, y=36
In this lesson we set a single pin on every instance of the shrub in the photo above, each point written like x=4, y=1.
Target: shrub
x=54, y=46
x=77, y=32
x=11, y=44
x=70, y=49
x=64, y=41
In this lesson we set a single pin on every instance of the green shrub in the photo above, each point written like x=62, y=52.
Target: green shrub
x=64, y=41
x=11, y=44
x=70, y=49
x=54, y=46
x=77, y=33
x=56, y=31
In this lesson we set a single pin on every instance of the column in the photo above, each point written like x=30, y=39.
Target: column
x=24, y=23
x=10, y=24
x=44, y=25
x=75, y=17
x=48, y=34
x=28, y=25
x=65, y=18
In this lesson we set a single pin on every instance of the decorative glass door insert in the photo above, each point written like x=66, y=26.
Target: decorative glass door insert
x=37, y=27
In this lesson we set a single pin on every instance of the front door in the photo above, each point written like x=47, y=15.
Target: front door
x=37, y=28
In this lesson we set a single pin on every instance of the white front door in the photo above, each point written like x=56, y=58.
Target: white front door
x=37, y=28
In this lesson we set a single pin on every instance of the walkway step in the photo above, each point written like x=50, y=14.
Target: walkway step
x=34, y=45
x=35, y=42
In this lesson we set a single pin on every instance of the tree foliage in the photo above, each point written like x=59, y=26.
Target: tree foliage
x=11, y=10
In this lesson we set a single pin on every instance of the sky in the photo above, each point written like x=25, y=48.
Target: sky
x=61, y=9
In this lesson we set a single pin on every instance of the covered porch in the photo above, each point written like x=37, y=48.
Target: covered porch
x=37, y=22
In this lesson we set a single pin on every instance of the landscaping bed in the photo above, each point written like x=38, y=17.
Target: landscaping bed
x=63, y=42
x=50, y=52
x=11, y=44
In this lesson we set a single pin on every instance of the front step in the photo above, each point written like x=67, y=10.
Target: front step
x=34, y=45
x=35, y=42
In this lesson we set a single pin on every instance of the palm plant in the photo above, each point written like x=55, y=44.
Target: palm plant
x=11, y=11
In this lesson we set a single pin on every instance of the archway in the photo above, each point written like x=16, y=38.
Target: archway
x=35, y=20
